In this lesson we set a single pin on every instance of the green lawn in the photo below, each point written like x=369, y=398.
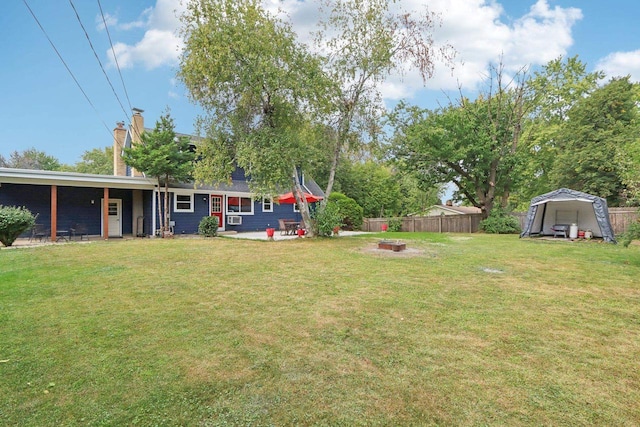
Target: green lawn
x=461, y=330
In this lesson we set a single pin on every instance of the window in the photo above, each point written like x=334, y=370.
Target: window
x=239, y=205
x=267, y=204
x=182, y=202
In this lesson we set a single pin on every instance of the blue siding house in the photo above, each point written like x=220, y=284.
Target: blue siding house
x=127, y=203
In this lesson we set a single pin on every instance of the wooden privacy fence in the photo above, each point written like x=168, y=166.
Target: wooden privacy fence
x=434, y=224
x=620, y=219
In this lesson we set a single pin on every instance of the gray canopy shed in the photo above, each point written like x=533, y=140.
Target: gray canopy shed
x=564, y=207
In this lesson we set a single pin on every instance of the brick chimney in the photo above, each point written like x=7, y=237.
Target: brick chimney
x=137, y=127
x=119, y=135
x=120, y=139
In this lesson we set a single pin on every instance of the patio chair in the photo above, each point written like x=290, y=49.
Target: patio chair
x=287, y=226
x=39, y=232
x=79, y=230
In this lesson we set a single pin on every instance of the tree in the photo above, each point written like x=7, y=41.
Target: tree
x=475, y=145
x=551, y=92
x=374, y=187
x=596, y=140
x=365, y=45
x=162, y=155
x=31, y=159
x=97, y=161
x=260, y=89
x=629, y=158
x=414, y=198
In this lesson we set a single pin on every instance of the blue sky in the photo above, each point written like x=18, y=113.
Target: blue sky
x=42, y=106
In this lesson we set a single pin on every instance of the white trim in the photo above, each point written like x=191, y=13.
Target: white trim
x=230, y=212
x=270, y=203
x=154, y=214
x=73, y=179
x=191, y=201
x=118, y=202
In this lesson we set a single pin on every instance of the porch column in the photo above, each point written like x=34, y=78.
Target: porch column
x=105, y=214
x=54, y=212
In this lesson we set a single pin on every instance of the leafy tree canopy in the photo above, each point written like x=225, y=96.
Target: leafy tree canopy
x=551, y=93
x=597, y=141
x=362, y=43
x=97, y=161
x=260, y=88
x=31, y=159
x=474, y=145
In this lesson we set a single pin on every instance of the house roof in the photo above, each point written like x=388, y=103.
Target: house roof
x=236, y=186
x=462, y=210
x=73, y=179
x=242, y=186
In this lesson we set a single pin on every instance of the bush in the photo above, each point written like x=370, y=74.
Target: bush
x=394, y=224
x=208, y=226
x=13, y=222
x=500, y=222
x=327, y=217
x=632, y=233
x=350, y=211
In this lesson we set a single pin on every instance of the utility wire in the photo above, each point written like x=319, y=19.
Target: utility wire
x=115, y=58
x=97, y=57
x=66, y=66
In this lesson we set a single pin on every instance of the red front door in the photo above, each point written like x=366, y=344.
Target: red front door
x=216, y=209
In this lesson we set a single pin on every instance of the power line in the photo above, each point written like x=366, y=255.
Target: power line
x=97, y=57
x=66, y=66
x=115, y=57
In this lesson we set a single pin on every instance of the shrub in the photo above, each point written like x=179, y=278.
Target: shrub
x=500, y=222
x=395, y=224
x=208, y=226
x=350, y=211
x=13, y=222
x=632, y=233
x=327, y=217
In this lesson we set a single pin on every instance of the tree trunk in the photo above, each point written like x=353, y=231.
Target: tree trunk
x=160, y=212
x=302, y=203
x=165, y=229
x=332, y=171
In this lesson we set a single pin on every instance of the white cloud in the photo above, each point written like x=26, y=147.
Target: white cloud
x=160, y=44
x=479, y=31
x=620, y=64
x=157, y=48
x=111, y=21
x=482, y=35
x=542, y=35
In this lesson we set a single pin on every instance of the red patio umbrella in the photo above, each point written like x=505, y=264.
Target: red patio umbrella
x=289, y=198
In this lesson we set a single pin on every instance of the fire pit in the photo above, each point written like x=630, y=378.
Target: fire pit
x=392, y=246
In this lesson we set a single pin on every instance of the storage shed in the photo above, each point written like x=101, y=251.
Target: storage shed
x=562, y=208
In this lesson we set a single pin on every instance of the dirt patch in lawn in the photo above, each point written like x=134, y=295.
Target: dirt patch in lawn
x=405, y=253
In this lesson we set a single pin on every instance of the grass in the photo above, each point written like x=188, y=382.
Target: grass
x=471, y=330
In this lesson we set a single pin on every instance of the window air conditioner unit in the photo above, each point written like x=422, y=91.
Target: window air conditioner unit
x=234, y=220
